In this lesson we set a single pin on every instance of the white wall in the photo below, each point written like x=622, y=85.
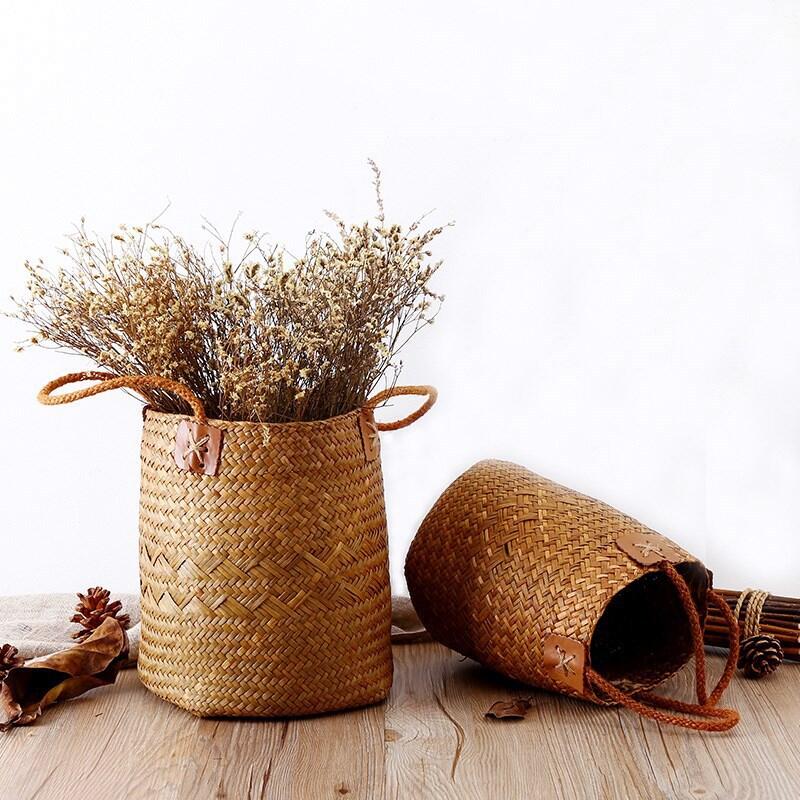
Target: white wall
x=622, y=285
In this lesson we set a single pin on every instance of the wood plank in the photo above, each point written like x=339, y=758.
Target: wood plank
x=122, y=741
x=443, y=746
x=430, y=740
x=439, y=744
x=335, y=756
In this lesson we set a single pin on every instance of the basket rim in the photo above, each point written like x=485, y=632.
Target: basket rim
x=148, y=410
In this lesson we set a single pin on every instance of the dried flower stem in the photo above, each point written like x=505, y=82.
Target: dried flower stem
x=257, y=336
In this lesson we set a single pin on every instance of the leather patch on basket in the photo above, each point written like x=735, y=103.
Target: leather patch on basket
x=197, y=447
x=649, y=548
x=369, y=434
x=564, y=660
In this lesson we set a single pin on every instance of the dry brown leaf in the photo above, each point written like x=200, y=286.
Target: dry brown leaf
x=517, y=708
x=29, y=689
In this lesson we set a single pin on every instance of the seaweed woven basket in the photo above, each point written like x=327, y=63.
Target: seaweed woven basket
x=263, y=557
x=561, y=591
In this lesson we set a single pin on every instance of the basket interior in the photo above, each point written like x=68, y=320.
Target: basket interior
x=644, y=635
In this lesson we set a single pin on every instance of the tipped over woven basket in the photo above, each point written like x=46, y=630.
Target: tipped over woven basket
x=561, y=591
x=263, y=559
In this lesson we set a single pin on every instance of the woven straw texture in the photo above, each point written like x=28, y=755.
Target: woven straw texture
x=265, y=588
x=506, y=558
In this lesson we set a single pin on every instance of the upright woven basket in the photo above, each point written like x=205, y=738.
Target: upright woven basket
x=561, y=591
x=263, y=559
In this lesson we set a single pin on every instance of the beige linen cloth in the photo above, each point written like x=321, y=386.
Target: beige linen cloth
x=38, y=624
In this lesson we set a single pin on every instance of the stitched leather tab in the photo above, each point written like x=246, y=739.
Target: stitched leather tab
x=197, y=447
x=369, y=434
x=564, y=660
x=649, y=548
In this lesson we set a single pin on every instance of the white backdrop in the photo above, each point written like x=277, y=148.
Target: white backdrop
x=622, y=284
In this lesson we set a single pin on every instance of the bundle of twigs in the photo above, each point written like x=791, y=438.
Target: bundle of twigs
x=768, y=623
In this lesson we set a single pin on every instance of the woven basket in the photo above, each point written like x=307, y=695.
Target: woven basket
x=561, y=591
x=263, y=558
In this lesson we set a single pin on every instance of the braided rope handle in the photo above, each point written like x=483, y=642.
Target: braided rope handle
x=106, y=381
x=429, y=392
x=703, y=715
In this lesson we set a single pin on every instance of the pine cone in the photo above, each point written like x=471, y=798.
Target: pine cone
x=8, y=660
x=93, y=607
x=760, y=655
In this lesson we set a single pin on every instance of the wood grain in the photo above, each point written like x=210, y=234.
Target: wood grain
x=430, y=740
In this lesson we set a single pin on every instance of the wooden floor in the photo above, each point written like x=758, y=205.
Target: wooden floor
x=429, y=741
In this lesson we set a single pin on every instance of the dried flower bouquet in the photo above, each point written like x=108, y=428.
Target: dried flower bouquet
x=262, y=337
